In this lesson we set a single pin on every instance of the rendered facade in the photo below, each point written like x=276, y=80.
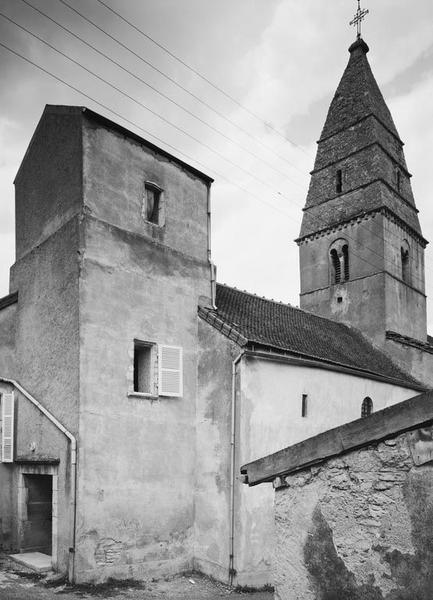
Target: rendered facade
x=134, y=387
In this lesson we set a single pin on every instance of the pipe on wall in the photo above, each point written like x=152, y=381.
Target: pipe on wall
x=235, y=363
x=73, y=441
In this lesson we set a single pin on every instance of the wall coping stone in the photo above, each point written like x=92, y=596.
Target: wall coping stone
x=404, y=416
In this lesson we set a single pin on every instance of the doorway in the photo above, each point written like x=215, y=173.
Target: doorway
x=38, y=526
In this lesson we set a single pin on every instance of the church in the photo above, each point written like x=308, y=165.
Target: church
x=133, y=386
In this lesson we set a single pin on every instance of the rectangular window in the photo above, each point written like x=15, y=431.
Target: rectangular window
x=144, y=368
x=304, y=405
x=7, y=427
x=152, y=205
x=158, y=370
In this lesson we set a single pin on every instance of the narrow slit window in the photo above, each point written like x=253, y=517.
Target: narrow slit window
x=339, y=181
x=304, y=405
x=398, y=180
x=367, y=407
x=336, y=266
x=345, y=251
x=405, y=264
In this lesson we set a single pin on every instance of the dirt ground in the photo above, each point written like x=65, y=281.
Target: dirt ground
x=18, y=583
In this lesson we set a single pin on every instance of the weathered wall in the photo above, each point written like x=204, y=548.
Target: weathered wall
x=358, y=526
x=269, y=414
x=213, y=468
x=46, y=322
x=374, y=299
x=414, y=360
x=138, y=281
x=48, y=184
x=37, y=442
x=7, y=339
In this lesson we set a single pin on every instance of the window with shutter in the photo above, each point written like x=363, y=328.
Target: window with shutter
x=170, y=380
x=7, y=430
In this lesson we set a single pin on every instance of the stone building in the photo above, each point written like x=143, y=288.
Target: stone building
x=133, y=386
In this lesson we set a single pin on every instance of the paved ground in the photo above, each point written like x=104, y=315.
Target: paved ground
x=19, y=583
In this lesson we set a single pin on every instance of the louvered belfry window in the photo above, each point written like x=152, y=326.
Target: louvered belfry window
x=336, y=266
x=170, y=380
x=7, y=427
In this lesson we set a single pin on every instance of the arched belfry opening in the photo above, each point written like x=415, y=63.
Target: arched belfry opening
x=339, y=261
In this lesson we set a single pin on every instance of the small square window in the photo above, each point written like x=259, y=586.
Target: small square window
x=152, y=204
x=144, y=368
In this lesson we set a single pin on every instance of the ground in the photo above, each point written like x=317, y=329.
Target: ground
x=19, y=583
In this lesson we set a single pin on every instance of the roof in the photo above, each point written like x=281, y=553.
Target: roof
x=250, y=320
x=410, y=414
x=406, y=340
x=94, y=116
x=360, y=138
x=357, y=95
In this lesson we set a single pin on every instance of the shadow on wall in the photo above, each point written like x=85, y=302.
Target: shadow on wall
x=413, y=573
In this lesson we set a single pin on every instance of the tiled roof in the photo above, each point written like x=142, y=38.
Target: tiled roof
x=426, y=346
x=249, y=319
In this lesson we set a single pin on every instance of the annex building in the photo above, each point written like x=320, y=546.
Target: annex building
x=133, y=386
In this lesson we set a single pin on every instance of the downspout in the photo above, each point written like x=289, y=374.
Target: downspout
x=233, y=471
x=209, y=254
x=73, y=441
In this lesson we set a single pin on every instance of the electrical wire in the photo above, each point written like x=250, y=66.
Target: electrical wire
x=162, y=94
x=203, y=77
x=260, y=199
x=176, y=83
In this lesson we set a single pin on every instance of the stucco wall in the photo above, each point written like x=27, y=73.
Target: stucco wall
x=7, y=337
x=358, y=526
x=37, y=442
x=213, y=468
x=269, y=413
x=138, y=281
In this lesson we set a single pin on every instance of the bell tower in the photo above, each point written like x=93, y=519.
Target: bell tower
x=361, y=245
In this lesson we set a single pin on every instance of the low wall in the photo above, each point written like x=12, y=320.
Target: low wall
x=354, y=508
x=359, y=527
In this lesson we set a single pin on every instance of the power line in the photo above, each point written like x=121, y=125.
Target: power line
x=157, y=114
x=163, y=95
x=203, y=77
x=260, y=199
x=146, y=62
x=139, y=103
x=176, y=83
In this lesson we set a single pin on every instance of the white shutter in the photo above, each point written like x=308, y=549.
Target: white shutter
x=170, y=380
x=7, y=438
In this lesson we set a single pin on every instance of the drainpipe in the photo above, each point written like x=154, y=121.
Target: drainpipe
x=209, y=256
x=232, y=471
x=73, y=442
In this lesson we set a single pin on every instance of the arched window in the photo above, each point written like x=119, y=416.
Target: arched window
x=345, y=251
x=404, y=252
x=367, y=407
x=339, y=261
x=336, y=266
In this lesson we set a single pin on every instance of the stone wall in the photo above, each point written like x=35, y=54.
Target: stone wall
x=358, y=526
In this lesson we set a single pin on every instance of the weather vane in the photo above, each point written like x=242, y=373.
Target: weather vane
x=358, y=18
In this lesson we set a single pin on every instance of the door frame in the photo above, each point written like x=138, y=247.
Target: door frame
x=22, y=503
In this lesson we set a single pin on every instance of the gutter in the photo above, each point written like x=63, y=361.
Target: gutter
x=73, y=441
x=232, y=570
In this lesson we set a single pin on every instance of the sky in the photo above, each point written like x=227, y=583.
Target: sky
x=275, y=65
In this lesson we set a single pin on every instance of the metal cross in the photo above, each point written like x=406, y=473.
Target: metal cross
x=359, y=17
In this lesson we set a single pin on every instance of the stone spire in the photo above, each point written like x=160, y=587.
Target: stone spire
x=361, y=246
x=359, y=139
